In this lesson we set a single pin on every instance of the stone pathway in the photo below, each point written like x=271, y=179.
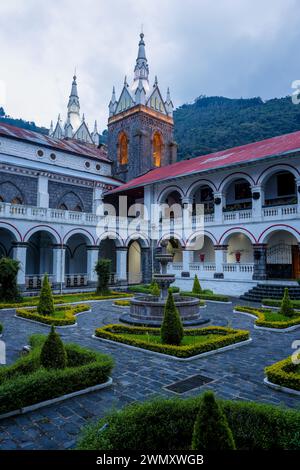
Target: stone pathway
x=138, y=376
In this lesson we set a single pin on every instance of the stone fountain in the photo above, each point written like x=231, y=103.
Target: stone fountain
x=149, y=310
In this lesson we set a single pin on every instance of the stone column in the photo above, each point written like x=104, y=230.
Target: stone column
x=146, y=261
x=92, y=258
x=122, y=264
x=218, y=203
x=298, y=193
x=186, y=259
x=97, y=199
x=59, y=254
x=220, y=254
x=257, y=202
x=19, y=253
x=260, y=261
x=42, y=195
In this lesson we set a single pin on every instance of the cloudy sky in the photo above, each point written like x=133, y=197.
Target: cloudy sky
x=232, y=48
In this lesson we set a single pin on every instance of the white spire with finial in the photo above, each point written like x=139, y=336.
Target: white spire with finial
x=169, y=104
x=141, y=69
x=155, y=82
x=51, y=128
x=73, y=105
x=113, y=103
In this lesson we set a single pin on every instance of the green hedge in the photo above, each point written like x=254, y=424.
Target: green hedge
x=231, y=336
x=67, y=298
x=204, y=296
x=261, y=321
x=69, y=311
x=277, y=303
x=26, y=383
x=146, y=289
x=122, y=303
x=1, y=328
x=284, y=373
x=168, y=425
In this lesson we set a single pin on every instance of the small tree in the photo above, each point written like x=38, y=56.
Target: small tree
x=171, y=329
x=154, y=289
x=46, y=304
x=196, y=286
x=102, y=269
x=211, y=429
x=9, y=269
x=53, y=353
x=286, y=307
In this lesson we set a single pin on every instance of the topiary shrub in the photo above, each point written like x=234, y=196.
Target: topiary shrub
x=9, y=269
x=211, y=430
x=286, y=307
x=196, y=286
x=154, y=289
x=102, y=268
x=53, y=353
x=171, y=329
x=46, y=303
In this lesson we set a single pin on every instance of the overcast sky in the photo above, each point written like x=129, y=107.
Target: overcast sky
x=232, y=48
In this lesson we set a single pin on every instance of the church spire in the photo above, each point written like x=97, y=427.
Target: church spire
x=73, y=105
x=141, y=69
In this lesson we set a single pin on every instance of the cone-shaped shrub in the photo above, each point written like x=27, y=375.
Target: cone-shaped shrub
x=171, y=329
x=154, y=289
x=9, y=269
x=102, y=269
x=211, y=430
x=286, y=307
x=196, y=286
x=53, y=354
x=46, y=304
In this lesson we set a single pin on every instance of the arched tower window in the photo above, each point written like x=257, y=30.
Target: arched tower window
x=123, y=149
x=157, y=149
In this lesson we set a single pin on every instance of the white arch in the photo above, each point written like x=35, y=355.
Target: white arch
x=43, y=228
x=80, y=231
x=270, y=171
x=111, y=235
x=232, y=177
x=269, y=231
x=167, y=236
x=138, y=237
x=168, y=190
x=11, y=229
x=197, y=185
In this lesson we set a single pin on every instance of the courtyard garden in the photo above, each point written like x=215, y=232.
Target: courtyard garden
x=285, y=373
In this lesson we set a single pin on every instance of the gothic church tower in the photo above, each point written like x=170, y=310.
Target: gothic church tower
x=140, y=124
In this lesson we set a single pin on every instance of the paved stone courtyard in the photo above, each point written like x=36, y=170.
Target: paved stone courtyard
x=137, y=375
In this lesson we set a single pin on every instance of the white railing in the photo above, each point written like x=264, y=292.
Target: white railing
x=232, y=216
x=280, y=211
x=239, y=269
x=75, y=280
x=34, y=281
x=208, y=267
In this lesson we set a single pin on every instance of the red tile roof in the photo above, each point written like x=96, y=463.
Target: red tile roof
x=275, y=146
x=66, y=145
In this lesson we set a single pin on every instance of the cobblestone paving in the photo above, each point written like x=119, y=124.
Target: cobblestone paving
x=137, y=375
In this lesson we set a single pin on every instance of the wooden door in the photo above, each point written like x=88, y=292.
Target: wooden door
x=296, y=261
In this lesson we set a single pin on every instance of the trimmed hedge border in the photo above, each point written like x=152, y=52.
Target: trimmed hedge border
x=58, y=300
x=284, y=374
x=168, y=424
x=145, y=289
x=261, y=323
x=70, y=313
x=277, y=303
x=112, y=333
x=26, y=383
x=122, y=303
x=209, y=297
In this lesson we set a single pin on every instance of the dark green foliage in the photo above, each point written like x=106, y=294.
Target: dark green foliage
x=53, y=354
x=146, y=288
x=9, y=269
x=171, y=328
x=196, y=286
x=286, y=307
x=154, y=289
x=168, y=424
x=21, y=123
x=217, y=123
x=102, y=268
x=1, y=328
x=46, y=303
x=211, y=431
x=25, y=382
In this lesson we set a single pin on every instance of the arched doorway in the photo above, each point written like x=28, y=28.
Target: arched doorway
x=134, y=262
x=6, y=243
x=239, y=249
x=238, y=195
x=280, y=189
x=282, y=256
x=157, y=149
x=76, y=261
x=39, y=258
x=107, y=250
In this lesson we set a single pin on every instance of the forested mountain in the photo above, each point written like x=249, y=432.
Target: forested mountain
x=216, y=123
x=21, y=123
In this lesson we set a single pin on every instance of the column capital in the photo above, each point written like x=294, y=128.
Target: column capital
x=221, y=247
x=92, y=247
x=121, y=248
x=20, y=244
x=59, y=246
x=259, y=246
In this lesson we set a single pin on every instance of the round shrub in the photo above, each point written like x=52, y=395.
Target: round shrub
x=171, y=328
x=53, y=354
x=102, y=268
x=286, y=307
x=46, y=303
x=9, y=269
x=154, y=289
x=211, y=431
x=196, y=286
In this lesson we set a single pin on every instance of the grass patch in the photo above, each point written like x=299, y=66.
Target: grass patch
x=284, y=373
x=206, y=295
x=26, y=382
x=122, y=303
x=277, y=303
x=269, y=318
x=63, y=316
x=146, y=289
x=195, y=341
x=65, y=298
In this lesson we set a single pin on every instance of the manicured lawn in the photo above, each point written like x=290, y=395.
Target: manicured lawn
x=284, y=373
x=269, y=318
x=64, y=315
x=195, y=341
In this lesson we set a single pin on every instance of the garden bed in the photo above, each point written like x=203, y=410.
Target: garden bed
x=64, y=315
x=285, y=375
x=122, y=303
x=146, y=289
x=65, y=298
x=268, y=318
x=196, y=341
x=277, y=303
x=209, y=296
x=26, y=383
x=168, y=424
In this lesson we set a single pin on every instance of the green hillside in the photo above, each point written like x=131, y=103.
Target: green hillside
x=216, y=123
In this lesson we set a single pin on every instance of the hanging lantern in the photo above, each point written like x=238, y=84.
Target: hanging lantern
x=202, y=257
x=238, y=256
